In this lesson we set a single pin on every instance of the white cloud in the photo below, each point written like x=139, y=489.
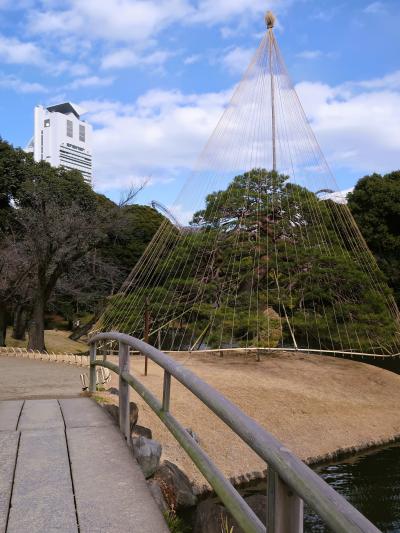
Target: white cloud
x=90, y=81
x=125, y=57
x=135, y=21
x=14, y=51
x=219, y=11
x=356, y=123
x=162, y=132
x=309, y=54
x=114, y=20
x=339, y=197
x=194, y=58
x=390, y=81
x=375, y=8
x=237, y=59
x=182, y=215
x=20, y=86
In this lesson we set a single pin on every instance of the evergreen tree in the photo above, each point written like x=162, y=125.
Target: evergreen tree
x=266, y=261
x=375, y=205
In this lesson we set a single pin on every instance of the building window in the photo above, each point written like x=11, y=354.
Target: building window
x=70, y=130
x=81, y=133
x=47, y=123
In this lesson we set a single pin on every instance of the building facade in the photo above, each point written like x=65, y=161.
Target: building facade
x=62, y=139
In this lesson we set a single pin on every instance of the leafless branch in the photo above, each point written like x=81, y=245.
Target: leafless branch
x=130, y=194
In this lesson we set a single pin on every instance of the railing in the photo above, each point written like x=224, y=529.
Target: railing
x=290, y=481
x=65, y=357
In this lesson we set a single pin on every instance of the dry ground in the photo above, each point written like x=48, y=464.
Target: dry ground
x=315, y=405
x=56, y=341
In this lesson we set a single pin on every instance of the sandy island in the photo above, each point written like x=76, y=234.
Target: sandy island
x=318, y=406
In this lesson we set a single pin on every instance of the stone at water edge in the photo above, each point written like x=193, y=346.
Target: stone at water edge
x=141, y=431
x=113, y=410
x=158, y=496
x=147, y=453
x=212, y=517
x=180, y=490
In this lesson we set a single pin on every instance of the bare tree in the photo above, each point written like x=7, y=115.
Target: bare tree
x=55, y=238
x=14, y=278
x=132, y=192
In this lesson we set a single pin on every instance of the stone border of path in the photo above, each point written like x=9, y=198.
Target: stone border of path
x=66, y=357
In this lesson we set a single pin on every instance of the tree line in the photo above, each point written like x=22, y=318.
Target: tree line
x=66, y=249
x=268, y=262
x=63, y=246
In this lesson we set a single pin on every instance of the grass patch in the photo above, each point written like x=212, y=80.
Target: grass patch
x=100, y=399
x=175, y=522
x=56, y=341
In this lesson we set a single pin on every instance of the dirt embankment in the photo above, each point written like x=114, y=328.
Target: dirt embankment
x=316, y=405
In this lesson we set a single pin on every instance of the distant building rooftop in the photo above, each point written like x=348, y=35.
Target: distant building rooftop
x=66, y=108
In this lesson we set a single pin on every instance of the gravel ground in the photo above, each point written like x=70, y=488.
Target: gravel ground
x=26, y=378
x=316, y=405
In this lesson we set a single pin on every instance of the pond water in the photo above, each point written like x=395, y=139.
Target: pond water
x=371, y=482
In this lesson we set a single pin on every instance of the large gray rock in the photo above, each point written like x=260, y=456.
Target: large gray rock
x=147, y=453
x=175, y=485
x=158, y=495
x=212, y=517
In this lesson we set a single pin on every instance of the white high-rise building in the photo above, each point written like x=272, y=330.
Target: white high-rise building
x=62, y=139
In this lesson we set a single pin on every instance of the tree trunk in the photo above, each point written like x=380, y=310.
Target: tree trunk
x=3, y=324
x=19, y=328
x=36, y=326
x=82, y=330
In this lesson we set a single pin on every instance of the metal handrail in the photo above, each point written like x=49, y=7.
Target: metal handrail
x=334, y=509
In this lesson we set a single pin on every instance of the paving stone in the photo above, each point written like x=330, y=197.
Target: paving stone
x=84, y=412
x=111, y=492
x=40, y=414
x=9, y=414
x=8, y=453
x=42, y=499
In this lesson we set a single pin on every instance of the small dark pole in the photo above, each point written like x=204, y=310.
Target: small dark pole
x=146, y=332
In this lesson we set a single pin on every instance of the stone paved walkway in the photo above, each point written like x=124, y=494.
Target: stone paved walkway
x=27, y=378
x=65, y=467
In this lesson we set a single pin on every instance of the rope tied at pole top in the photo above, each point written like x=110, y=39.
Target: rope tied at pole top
x=270, y=20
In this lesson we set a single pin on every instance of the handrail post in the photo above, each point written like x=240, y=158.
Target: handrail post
x=124, y=391
x=92, y=369
x=166, y=391
x=284, y=507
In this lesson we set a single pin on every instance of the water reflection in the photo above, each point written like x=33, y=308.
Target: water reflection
x=371, y=482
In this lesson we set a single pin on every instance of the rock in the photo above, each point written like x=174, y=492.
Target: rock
x=258, y=502
x=194, y=435
x=212, y=517
x=158, y=496
x=176, y=483
x=133, y=414
x=113, y=410
x=141, y=431
x=147, y=453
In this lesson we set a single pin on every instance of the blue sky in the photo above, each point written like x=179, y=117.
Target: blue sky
x=155, y=77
